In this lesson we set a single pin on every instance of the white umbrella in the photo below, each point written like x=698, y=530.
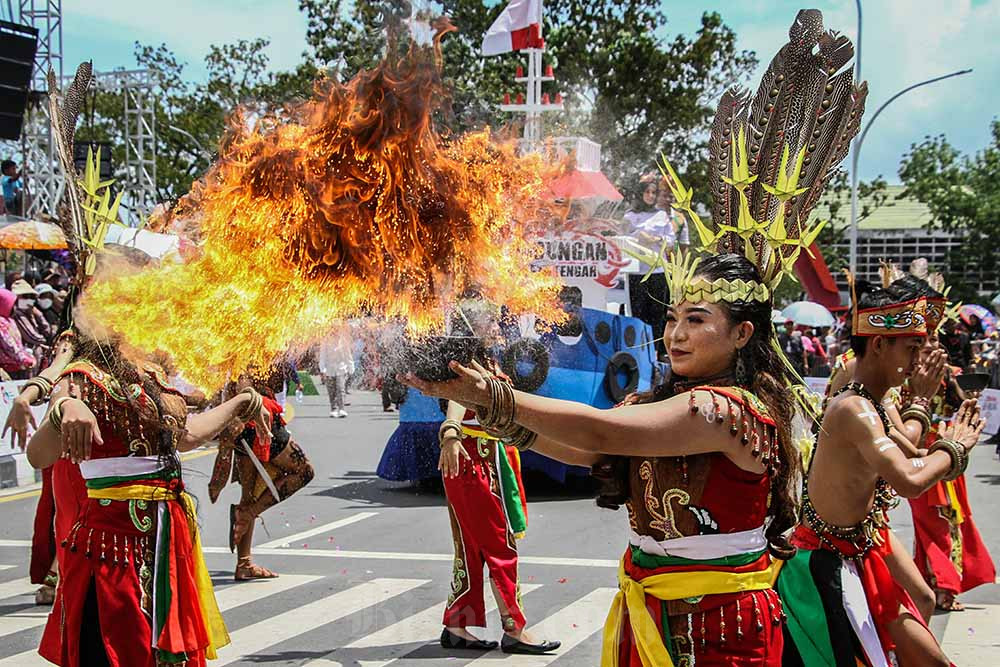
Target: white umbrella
x=809, y=314
x=778, y=317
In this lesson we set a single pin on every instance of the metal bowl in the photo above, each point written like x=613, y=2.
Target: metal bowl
x=973, y=381
x=428, y=358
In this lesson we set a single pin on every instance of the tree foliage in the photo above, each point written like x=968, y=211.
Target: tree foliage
x=625, y=86
x=963, y=195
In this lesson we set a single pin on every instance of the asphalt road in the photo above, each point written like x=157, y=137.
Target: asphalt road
x=366, y=564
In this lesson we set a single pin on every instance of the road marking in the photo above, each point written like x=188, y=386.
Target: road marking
x=271, y=631
x=7, y=567
x=16, y=490
x=21, y=496
x=570, y=625
x=970, y=638
x=410, y=555
x=383, y=555
x=10, y=589
x=318, y=530
x=228, y=598
x=400, y=638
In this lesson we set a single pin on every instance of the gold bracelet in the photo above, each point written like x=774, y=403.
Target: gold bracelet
x=56, y=412
x=253, y=407
x=959, y=457
x=43, y=385
x=450, y=425
x=919, y=414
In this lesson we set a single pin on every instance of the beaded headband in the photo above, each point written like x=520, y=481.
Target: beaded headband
x=896, y=319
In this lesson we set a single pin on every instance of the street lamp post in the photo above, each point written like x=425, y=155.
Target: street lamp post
x=857, y=151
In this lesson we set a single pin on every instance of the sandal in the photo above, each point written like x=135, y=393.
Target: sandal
x=247, y=570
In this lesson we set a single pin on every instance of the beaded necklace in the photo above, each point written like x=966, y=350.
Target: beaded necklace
x=866, y=534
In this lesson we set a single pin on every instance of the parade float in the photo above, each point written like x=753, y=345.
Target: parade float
x=599, y=355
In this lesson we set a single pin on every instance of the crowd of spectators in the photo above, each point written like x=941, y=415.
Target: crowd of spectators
x=31, y=306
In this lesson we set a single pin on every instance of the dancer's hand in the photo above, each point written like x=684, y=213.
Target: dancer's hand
x=966, y=427
x=926, y=380
x=469, y=388
x=18, y=420
x=452, y=453
x=79, y=431
x=263, y=423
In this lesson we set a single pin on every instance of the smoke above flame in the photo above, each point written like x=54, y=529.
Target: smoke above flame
x=349, y=204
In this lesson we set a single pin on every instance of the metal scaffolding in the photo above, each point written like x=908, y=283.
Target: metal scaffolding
x=42, y=173
x=139, y=175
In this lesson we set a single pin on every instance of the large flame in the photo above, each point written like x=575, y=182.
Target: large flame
x=349, y=204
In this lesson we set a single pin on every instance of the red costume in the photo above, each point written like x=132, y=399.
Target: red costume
x=699, y=555
x=485, y=504
x=948, y=549
x=133, y=587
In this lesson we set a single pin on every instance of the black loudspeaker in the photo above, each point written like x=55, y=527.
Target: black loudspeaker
x=80, y=156
x=17, y=59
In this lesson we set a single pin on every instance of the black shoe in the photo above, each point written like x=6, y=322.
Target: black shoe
x=510, y=645
x=451, y=641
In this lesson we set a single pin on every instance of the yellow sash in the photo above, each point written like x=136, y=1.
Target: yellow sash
x=668, y=586
x=218, y=636
x=476, y=433
x=953, y=501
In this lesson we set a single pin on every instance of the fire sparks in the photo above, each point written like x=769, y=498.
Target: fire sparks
x=349, y=204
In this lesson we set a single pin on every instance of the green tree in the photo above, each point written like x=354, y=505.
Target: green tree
x=963, y=195
x=191, y=117
x=625, y=86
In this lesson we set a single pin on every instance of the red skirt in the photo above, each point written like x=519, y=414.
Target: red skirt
x=948, y=549
x=743, y=631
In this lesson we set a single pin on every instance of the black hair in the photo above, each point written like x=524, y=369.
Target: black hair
x=639, y=204
x=7, y=164
x=869, y=295
x=770, y=379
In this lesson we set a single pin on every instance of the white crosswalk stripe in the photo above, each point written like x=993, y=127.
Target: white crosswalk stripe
x=15, y=588
x=375, y=640
x=571, y=625
x=7, y=567
x=256, y=637
x=228, y=598
x=400, y=638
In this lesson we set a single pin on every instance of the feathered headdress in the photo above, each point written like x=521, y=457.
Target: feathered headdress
x=771, y=155
x=86, y=209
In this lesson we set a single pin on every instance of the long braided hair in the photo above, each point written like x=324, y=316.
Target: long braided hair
x=770, y=379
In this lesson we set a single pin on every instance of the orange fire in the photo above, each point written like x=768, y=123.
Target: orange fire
x=350, y=204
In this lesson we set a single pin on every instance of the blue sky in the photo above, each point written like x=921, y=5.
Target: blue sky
x=905, y=41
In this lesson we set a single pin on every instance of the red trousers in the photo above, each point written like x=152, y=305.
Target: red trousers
x=949, y=553
x=481, y=535
x=43, y=540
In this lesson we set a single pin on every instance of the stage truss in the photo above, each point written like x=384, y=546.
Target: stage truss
x=42, y=172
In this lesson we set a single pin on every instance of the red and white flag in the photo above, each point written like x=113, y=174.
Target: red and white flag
x=518, y=27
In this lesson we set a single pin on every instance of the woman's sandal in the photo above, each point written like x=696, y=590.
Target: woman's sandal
x=247, y=570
